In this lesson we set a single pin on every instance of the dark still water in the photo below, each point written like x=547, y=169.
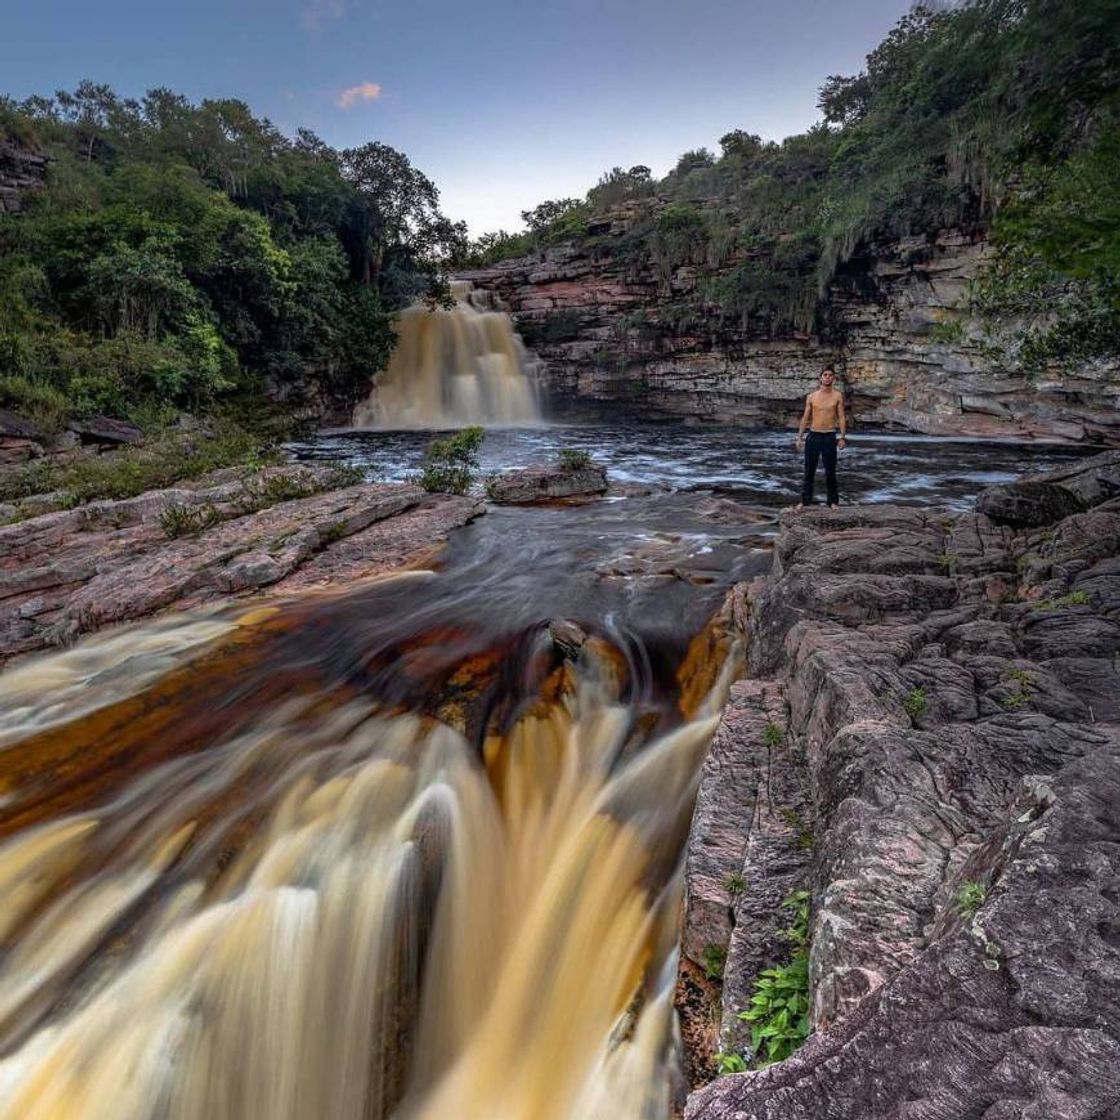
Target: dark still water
x=756, y=466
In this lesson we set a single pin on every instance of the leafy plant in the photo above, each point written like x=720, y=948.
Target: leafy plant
x=713, y=958
x=730, y=1063
x=450, y=465
x=915, y=703
x=1013, y=701
x=574, y=459
x=779, y=1005
x=177, y=520
x=773, y=735
x=735, y=883
x=948, y=561
x=970, y=897
x=343, y=475
x=1073, y=599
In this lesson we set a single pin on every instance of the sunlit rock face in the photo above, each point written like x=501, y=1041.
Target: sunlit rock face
x=453, y=367
x=608, y=330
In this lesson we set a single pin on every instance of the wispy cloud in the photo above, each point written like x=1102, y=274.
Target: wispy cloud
x=364, y=91
x=317, y=12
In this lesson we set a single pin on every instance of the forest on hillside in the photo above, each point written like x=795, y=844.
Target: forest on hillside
x=183, y=256
x=997, y=117
x=190, y=256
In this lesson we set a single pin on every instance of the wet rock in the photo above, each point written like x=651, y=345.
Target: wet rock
x=544, y=484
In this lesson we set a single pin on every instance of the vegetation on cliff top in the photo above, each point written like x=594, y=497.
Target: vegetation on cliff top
x=183, y=255
x=999, y=116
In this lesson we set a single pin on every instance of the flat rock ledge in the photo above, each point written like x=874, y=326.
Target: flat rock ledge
x=929, y=743
x=546, y=484
x=69, y=572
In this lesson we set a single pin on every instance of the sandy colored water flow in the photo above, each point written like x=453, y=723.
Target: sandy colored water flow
x=452, y=367
x=345, y=914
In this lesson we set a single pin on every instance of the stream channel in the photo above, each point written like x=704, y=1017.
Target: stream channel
x=411, y=847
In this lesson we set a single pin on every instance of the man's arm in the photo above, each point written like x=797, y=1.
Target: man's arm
x=843, y=420
x=806, y=416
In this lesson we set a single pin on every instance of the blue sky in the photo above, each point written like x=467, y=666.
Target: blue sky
x=503, y=103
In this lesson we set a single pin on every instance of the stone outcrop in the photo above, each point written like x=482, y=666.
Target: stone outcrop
x=908, y=356
x=935, y=713
x=546, y=484
x=21, y=170
x=69, y=572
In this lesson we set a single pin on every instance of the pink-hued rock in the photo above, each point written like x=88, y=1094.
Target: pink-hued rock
x=608, y=329
x=545, y=484
x=952, y=708
x=72, y=571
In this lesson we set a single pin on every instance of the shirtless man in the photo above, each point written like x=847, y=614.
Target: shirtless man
x=824, y=409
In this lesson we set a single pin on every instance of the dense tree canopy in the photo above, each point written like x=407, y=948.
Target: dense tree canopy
x=994, y=116
x=182, y=251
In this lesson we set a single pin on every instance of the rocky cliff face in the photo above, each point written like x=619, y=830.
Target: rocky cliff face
x=20, y=170
x=929, y=745
x=908, y=358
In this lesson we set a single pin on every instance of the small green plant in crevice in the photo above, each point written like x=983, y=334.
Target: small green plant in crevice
x=730, y=1063
x=773, y=735
x=1073, y=599
x=573, y=459
x=735, y=883
x=1023, y=562
x=915, y=703
x=176, y=520
x=449, y=465
x=969, y=898
x=799, y=825
x=1013, y=701
x=948, y=561
x=1020, y=676
x=713, y=958
x=779, y=1006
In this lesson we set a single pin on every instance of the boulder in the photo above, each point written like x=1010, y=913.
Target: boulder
x=545, y=484
x=104, y=429
x=1032, y=503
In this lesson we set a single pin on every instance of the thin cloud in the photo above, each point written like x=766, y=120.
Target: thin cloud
x=317, y=12
x=364, y=91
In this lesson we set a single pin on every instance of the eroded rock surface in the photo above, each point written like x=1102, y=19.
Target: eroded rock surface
x=546, y=484
x=69, y=572
x=948, y=688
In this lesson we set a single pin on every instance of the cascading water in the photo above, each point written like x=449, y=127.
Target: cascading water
x=393, y=852
x=453, y=367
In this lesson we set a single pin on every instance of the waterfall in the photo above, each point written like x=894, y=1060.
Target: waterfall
x=453, y=367
x=257, y=892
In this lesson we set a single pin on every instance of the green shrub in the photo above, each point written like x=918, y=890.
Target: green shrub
x=344, y=475
x=713, y=958
x=574, y=459
x=1073, y=599
x=779, y=1006
x=773, y=735
x=730, y=1063
x=178, y=520
x=44, y=405
x=735, y=883
x=971, y=896
x=450, y=465
x=915, y=703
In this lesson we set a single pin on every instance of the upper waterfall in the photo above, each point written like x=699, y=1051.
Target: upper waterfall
x=452, y=367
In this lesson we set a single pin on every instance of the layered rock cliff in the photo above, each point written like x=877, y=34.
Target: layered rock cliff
x=929, y=745
x=909, y=355
x=20, y=170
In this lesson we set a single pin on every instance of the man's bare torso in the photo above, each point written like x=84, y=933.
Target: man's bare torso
x=824, y=408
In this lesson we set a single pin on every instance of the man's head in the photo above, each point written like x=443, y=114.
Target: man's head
x=827, y=377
